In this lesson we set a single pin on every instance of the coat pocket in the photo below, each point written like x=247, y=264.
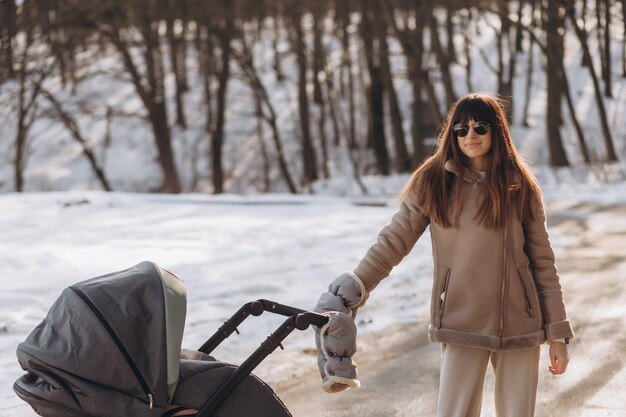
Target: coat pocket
x=443, y=296
x=527, y=290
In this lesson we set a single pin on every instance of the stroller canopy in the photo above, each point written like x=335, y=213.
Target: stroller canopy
x=109, y=346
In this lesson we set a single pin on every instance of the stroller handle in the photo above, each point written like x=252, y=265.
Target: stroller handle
x=303, y=319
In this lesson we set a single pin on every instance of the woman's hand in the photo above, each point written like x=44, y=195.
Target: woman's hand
x=559, y=358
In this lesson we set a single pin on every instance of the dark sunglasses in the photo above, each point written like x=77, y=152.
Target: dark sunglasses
x=462, y=129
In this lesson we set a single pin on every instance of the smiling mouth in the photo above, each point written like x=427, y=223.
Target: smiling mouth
x=472, y=144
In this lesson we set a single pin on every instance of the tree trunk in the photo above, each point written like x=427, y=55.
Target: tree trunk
x=572, y=111
x=554, y=39
x=217, y=138
x=506, y=72
x=319, y=63
x=529, y=81
x=530, y=64
x=600, y=31
x=206, y=61
x=467, y=49
x=346, y=68
x=608, y=89
x=375, y=90
x=582, y=37
x=309, y=159
x=26, y=100
x=8, y=31
x=265, y=167
x=451, y=50
x=503, y=9
x=443, y=59
x=150, y=87
x=402, y=162
x=177, y=57
x=276, y=55
x=624, y=38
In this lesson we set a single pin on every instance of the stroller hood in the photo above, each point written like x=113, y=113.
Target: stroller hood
x=102, y=349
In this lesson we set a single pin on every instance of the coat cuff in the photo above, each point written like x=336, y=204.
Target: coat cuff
x=559, y=330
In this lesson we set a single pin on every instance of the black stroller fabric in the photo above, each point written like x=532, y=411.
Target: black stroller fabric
x=253, y=398
x=101, y=351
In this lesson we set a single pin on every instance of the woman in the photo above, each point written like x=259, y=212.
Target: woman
x=496, y=293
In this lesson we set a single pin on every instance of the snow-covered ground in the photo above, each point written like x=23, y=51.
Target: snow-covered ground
x=228, y=249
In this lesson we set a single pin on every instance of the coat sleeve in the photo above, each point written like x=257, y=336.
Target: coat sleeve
x=394, y=242
x=542, y=263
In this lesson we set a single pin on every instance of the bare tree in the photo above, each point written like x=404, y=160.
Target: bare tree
x=375, y=88
x=402, y=159
x=70, y=123
x=30, y=82
x=603, y=18
x=276, y=51
x=204, y=44
x=111, y=23
x=319, y=60
x=529, y=65
x=8, y=32
x=176, y=29
x=466, y=19
x=565, y=89
x=582, y=37
x=554, y=26
x=309, y=157
x=225, y=33
x=623, y=38
x=411, y=38
x=450, y=48
x=264, y=105
x=338, y=126
x=603, y=21
x=443, y=57
x=343, y=15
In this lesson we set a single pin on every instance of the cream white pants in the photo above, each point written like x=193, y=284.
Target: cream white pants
x=462, y=379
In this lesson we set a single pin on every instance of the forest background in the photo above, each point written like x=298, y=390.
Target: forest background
x=279, y=95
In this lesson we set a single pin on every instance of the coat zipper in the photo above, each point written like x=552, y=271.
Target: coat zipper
x=503, y=281
x=120, y=346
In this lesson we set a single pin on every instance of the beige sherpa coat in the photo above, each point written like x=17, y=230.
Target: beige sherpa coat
x=493, y=289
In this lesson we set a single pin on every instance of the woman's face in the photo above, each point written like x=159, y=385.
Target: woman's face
x=474, y=140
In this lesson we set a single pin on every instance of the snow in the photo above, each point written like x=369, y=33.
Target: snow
x=228, y=249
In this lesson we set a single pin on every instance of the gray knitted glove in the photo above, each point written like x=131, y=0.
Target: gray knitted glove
x=336, y=340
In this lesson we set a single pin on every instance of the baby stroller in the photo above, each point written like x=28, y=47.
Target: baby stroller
x=111, y=346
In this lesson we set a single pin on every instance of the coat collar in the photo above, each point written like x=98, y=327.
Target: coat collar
x=476, y=177
x=469, y=175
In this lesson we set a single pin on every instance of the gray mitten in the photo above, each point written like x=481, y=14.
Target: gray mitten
x=336, y=340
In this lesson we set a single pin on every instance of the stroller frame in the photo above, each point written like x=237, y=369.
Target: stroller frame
x=297, y=319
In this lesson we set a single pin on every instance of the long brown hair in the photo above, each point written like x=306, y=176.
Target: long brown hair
x=509, y=182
